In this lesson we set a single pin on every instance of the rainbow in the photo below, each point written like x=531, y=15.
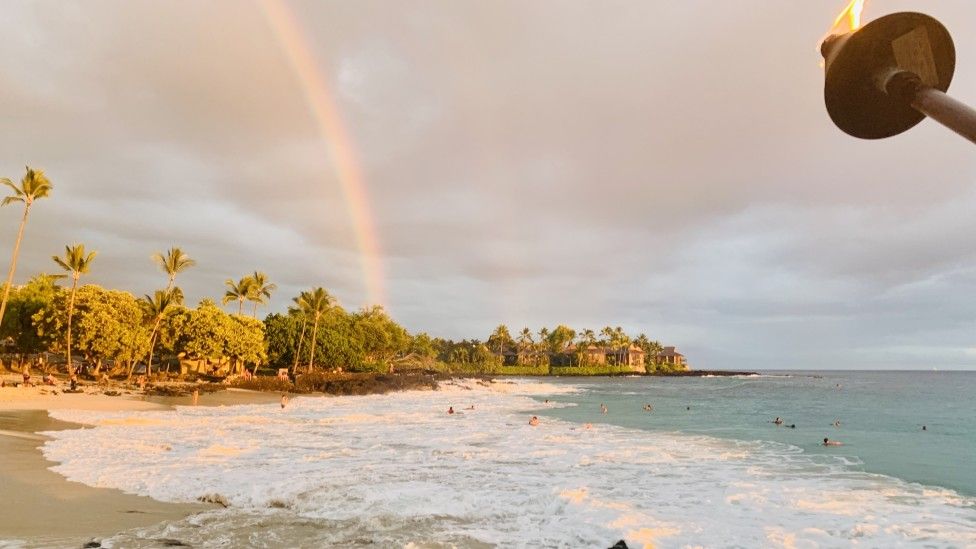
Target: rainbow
x=296, y=47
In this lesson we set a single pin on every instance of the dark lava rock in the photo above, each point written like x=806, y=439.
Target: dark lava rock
x=214, y=498
x=619, y=545
x=169, y=542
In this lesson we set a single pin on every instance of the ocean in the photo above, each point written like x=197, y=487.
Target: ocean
x=706, y=467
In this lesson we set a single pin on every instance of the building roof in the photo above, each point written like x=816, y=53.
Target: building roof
x=669, y=351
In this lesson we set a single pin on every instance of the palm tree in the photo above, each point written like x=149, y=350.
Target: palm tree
x=315, y=303
x=525, y=341
x=609, y=338
x=158, y=306
x=76, y=262
x=261, y=289
x=299, y=309
x=34, y=185
x=238, y=291
x=501, y=337
x=173, y=263
x=623, y=343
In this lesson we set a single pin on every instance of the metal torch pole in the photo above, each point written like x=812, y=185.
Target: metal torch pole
x=953, y=114
x=907, y=87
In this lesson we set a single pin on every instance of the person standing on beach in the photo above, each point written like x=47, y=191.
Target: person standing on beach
x=284, y=401
x=196, y=396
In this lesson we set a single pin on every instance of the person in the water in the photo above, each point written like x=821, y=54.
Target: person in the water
x=603, y=408
x=648, y=408
x=837, y=423
x=778, y=421
x=284, y=401
x=534, y=421
x=793, y=426
x=450, y=410
x=828, y=442
x=924, y=428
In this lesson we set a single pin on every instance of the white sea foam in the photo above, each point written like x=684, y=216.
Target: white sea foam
x=396, y=470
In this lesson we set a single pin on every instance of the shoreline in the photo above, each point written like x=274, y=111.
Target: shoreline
x=53, y=511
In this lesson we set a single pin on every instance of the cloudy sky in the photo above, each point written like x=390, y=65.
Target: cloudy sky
x=664, y=166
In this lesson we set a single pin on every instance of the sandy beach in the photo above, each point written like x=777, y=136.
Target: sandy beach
x=50, y=510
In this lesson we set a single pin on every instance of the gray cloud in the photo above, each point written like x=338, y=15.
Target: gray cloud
x=664, y=166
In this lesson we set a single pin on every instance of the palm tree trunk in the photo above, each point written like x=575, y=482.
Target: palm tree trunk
x=240, y=308
x=311, y=350
x=298, y=351
x=255, y=309
x=152, y=347
x=13, y=262
x=71, y=311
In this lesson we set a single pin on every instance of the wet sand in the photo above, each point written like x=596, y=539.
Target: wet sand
x=42, y=508
x=45, y=510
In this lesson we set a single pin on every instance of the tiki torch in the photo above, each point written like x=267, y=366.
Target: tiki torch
x=887, y=76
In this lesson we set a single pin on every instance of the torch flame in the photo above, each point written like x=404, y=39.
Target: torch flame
x=852, y=15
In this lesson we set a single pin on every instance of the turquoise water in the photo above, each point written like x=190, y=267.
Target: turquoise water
x=881, y=415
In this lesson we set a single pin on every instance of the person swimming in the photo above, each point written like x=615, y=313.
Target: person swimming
x=828, y=442
x=792, y=426
x=470, y=407
x=603, y=408
x=924, y=428
x=778, y=421
x=534, y=421
x=837, y=423
x=648, y=408
x=587, y=426
x=450, y=410
x=687, y=407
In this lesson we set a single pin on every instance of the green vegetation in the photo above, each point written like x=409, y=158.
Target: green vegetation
x=603, y=370
x=112, y=331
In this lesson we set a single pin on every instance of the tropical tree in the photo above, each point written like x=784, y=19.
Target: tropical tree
x=33, y=185
x=106, y=325
x=239, y=291
x=261, y=289
x=173, y=263
x=560, y=338
x=525, y=342
x=315, y=303
x=500, y=339
x=77, y=263
x=157, y=307
x=623, y=343
x=300, y=309
x=18, y=324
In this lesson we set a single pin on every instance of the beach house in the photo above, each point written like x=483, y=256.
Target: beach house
x=672, y=357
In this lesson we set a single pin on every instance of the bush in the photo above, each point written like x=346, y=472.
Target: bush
x=597, y=370
x=523, y=370
x=371, y=368
x=465, y=369
x=265, y=383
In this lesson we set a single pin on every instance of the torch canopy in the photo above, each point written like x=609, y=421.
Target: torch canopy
x=911, y=42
